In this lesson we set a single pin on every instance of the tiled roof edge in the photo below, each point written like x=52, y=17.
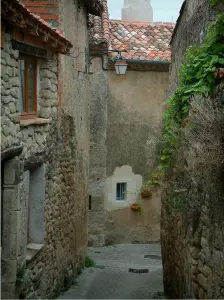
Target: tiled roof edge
x=56, y=34
x=139, y=23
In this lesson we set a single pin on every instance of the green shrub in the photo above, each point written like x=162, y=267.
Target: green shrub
x=89, y=262
x=197, y=77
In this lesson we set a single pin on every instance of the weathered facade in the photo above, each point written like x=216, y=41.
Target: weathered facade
x=192, y=201
x=45, y=146
x=126, y=120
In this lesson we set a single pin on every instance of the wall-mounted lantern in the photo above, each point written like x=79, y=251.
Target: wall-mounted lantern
x=121, y=66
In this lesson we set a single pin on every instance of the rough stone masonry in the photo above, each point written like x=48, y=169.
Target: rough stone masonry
x=48, y=159
x=192, y=229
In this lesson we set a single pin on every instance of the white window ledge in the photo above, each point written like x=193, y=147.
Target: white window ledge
x=35, y=121
x=32, y=250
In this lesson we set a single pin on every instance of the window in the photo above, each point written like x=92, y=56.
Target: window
x=34, y=181
x=28, y=85
x=121, y=191
x=90, y=202
x=2, y=38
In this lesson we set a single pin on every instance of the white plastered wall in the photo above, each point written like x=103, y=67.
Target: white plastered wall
x=123, y=174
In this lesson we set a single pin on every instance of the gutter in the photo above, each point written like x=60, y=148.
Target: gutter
x=132, y=61
x=147, y=62
x=143, y=61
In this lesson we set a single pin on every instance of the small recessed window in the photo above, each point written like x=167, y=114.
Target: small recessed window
x=90, y=202
x=35, y=187
x=2, y=38
x=121, y=191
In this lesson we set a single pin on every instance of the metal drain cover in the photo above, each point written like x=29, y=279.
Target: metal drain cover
x=139, y=271
x=153, y=256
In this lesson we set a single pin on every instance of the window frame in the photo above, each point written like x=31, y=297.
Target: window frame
x=2, y=38
x=124, y=184
x=26, y=114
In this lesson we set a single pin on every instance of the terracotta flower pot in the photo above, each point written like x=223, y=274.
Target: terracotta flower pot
x=143, y=195
x=146, y=193
x=134, y=207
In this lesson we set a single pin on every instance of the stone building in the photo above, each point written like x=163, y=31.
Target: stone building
x=192, y=227
x=126, y=120
x=137, y=11
x=44, y=144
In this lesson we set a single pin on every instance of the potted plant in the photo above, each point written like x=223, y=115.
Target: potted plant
x=136, y=208
x=146, y=193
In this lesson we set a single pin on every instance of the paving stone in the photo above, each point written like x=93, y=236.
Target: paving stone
x=115, y=281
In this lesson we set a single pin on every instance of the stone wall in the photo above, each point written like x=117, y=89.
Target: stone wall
x=127, y=125
x=98, y=152
x=59, y=142
x=192, y=199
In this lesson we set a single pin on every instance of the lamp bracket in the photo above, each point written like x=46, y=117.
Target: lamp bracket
x=119, y=52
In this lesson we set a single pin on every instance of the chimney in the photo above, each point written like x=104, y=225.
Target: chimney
x=137, y=10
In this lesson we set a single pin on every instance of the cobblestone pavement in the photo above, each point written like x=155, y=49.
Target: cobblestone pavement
x=115, y=281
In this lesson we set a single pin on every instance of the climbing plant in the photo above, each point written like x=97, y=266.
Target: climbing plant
x=197, y=77
x=213, y=2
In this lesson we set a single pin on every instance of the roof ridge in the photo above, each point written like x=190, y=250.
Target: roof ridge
x=139, y=22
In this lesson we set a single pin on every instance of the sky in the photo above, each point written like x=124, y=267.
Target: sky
x=164, y=10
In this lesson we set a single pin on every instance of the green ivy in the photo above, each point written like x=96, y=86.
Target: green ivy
x=213, y=2
x=196, y=78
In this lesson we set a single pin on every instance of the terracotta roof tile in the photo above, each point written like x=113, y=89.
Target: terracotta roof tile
x=145, y=41
x=99, y=27
x=148, y=41
x=15, y=7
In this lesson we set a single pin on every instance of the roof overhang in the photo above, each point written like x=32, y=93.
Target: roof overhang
x=144, y=65
x=16, y=14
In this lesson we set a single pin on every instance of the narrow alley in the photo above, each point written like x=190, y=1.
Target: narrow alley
x=112, y=152
x=113, y=277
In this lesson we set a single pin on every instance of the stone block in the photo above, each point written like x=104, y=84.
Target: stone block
x=9, y=244
x=46, y=94
x=15, y=92
x=9, y=267
x=15, y=118
x=11, y=198
x=206, y=270
x=195, y=290
x=201, y=293
x=8, y=290
x=12, y=107
x=202, y=280
x=14, y=82
x=45, y=83
x=47, y=74
x=11, y=61
x=15, y=54
x=45, y=112
x=12, y=172
x=194, y=252
x=217, y=258
x=5, y=77
x=6, y=130
x=3, y=62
